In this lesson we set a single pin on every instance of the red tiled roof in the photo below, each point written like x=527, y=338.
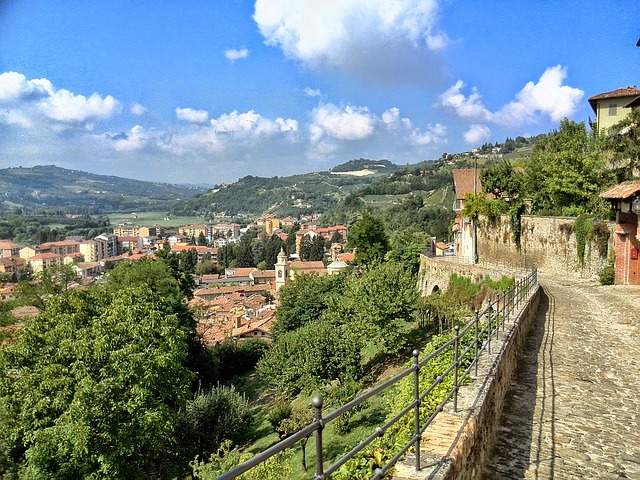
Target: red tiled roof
x=8, y=244
x=44, y=256
x=239, y=272
x=263, y=273
x=618, y=93
x=622, y=190
x=463, y=182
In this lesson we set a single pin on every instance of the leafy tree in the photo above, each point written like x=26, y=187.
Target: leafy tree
x=376, y=305
x=45, y=284
x=244, y=253
x=214, y=415
x=315, y=354
x=206, y=267
x=369, y=239
x=180, y=267
x=92, y=387
x=406, y=247
x=202, y=240
x=296, y=421
x=623, y=141
x=502, y=181
x=316, y=252
x=305, y=247
x=226, y=255
x=565, y=171
x=303, y=300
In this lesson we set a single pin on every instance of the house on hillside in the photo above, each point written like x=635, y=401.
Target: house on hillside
x=612, y=107
x=465, y=181
x=625, y=198
x=9, y=249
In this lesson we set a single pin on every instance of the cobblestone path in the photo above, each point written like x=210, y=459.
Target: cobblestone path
x=573, y=410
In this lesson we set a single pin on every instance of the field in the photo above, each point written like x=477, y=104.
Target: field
x=149, y=219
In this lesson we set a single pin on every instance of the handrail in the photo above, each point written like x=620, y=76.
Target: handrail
x=495, y=315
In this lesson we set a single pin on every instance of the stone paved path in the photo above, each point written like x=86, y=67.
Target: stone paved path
x=573, y=410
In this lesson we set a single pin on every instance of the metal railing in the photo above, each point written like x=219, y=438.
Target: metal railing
x=466, y=345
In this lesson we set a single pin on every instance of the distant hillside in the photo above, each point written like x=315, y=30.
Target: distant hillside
x=296, y=195
x=337, y=193
x=363, y=164
x=50, y=187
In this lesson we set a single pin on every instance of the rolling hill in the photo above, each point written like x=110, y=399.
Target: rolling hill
x=53, y=188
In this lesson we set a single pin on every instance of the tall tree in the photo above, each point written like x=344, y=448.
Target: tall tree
x=376, y=305
x=369, y=239
x=565, y=171
x=316, y=252
x=623, y=141
x=92, y=388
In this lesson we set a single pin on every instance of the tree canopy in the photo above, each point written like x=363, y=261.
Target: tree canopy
x=369, y=239
x=92, y=387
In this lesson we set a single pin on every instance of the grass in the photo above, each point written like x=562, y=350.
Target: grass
x=149, y=219
x=362, y=423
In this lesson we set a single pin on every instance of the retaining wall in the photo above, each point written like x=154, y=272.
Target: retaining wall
x=456, y=445
x=548, y=243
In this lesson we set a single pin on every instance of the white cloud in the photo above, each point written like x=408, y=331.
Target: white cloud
x=135, y=140
x=549, y=96
x=465, y=107
x=380, y=36
x=67, y=107
x=252, y=123
x=435, y=134
x=348, y=123
x=137, y=109
x=14, y=117
x=312, y=92
x=477, y=134
x=546, y=98
x=15, y=86
x=234, y=55
x=192, y=116
x=392, y=120
x=36, y=99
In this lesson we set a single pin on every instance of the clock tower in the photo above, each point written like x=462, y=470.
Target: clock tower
x=282, y=269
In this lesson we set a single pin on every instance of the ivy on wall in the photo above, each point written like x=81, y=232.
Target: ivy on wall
x=583, y=229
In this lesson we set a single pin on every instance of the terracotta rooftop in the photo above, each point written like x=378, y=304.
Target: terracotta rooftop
x=622, y=190
x=463, y=182
x=620, y=92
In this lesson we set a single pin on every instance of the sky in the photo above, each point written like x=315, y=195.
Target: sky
x=206, y=92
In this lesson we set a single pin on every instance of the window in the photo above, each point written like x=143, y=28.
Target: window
x=613, y=109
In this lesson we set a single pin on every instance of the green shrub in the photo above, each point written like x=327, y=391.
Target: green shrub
x=213, y=416
x=607, y=275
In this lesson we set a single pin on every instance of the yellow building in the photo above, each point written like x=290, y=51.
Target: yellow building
x=135, y=231
x=612, y=107
x=93, y=250
x=194, y=231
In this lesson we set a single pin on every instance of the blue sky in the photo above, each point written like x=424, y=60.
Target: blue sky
x=207, y=92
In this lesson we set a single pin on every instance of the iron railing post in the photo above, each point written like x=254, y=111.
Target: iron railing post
x=316, y=402
x=489, y=320
x=476, y=341
x=416, y=398
x=497, y=317
x=455, y=370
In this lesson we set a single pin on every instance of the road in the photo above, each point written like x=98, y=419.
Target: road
x=573, y=410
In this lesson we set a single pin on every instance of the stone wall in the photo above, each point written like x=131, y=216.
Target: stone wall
x=457, y=443
x=435, y=272
x=548, y=243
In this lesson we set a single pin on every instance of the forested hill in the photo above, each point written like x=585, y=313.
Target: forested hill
x=296, y=195
x=49, y=187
